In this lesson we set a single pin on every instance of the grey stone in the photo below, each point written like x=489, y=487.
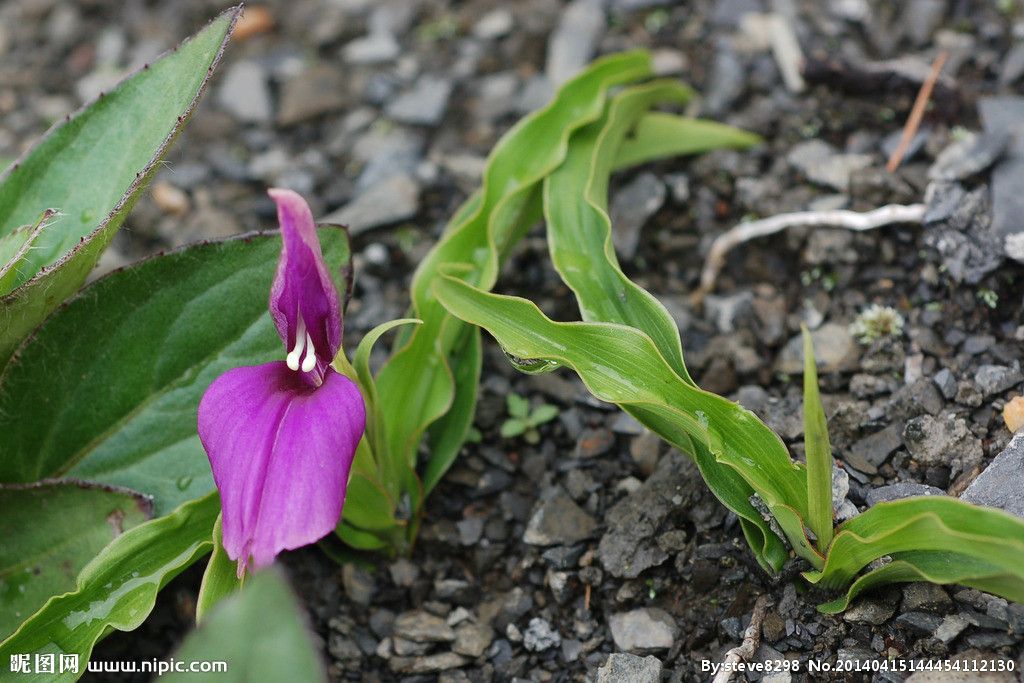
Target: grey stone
x=422, y=627
x=920, y=19
x=876, y=448
x=642, y=630
x=726, y=83
x=427, y=664
x=424, y=104
x=557, y=520
x=835, y=350
x=928, y=597
x=359, y=584
x=961, y=229
x=942, y=441
x=495, y=24
x=952, y=626
x=403, y=572
x=319, y=90
x=1005, y=115
x=875, y=611
x=573, y=42
x=946, y=383
x=540, y=635
x=904, y=489
x=1013, y=65
x=621, y=667
x=995, y=379
x=823, y=165
x=631, y=206
x=244, y=93
x=968, y=156
x=629, y=545
x=921, y=622
x=472, y=640
x=375, y=48
x=389, y=201
x=1001, y=485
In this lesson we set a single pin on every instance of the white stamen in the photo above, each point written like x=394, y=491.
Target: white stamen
x=300, y=341
x=309, y=362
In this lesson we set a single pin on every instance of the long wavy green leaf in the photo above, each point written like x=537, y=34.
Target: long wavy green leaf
x=923, y=523
x=819, y=452
x=92, y=167
x=934, y=567
x=118, y=589
x=660, y=136
x=622, y=365
x=516, y=166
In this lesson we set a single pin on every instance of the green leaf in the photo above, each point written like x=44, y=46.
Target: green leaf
x=660, y=136
x=544, y=413
x=417, y=385
x=117, y=590
x=261, y=633
x=512, y=428
x=220, y=578
x=15, y=246
x=517, y=405
x=934, y=567
x=107, y=388
x=359, y=539
x=50, y=530
x=819, y=451
x=924, y=523
x=91, y=168
x=621, y=365
x=580, y=240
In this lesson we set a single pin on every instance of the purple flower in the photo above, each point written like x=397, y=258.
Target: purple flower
x=281, y=436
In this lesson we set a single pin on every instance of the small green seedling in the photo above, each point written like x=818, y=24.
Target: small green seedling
x=524, y=422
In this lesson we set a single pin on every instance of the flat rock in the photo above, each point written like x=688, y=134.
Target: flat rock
x=427, y=664
x=424, y=104
x=631, y=206
x=904, y=489
x=835, y=350
x=876, y=448
x=472, y=640
x=642, y=630
x=1001, y=485
x=629, y=545
x=574, y=41
x=968, y=156
x=943, y=440
x=557, y=520
x=374, y=48
x=621, y=667
x=319, y=90
x=995, y=379
x=423, y=627
x=824, y=165
x=244, y=93
x=389, y=201
x=1005, y=116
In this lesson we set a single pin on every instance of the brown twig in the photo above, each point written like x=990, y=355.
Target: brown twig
x=751, y=639
x=917, y=112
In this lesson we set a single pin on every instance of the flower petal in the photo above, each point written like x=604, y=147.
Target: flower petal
x=303, y=285
x=281, y=454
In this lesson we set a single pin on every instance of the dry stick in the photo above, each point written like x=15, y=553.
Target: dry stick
x=917, y=112
x=751, y=639
x=851, y=220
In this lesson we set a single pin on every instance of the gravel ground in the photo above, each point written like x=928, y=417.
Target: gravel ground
x=598, y=554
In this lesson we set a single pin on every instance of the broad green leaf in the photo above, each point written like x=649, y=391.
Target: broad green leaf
x=819, y=452
x=659, y=135
x=517, y=406
x=91, y=168
x=117, y=590
x=580, y=241
x=934, y=567
x=486, y=227
x=261, y=634
x=924, y=523
x=359, y=539
x=107, y=388
x=544, y=413
x=621, y=365
x=50, y=530
x=512, y=428
x=220, y=578
x=15, y=246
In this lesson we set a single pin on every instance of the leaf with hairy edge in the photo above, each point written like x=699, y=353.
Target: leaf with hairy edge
x=220, y=578
x=621, y=365
x=91, y=168
x=163, y=329
x=517, y=164
x=117, y=590
x=15, y=246
x=819, y=452
x=934, y=567
x=50, y=530
x=923, y=523
x=261, y=633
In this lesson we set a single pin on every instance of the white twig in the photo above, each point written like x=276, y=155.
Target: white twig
x=751, y=639
x=851, y=220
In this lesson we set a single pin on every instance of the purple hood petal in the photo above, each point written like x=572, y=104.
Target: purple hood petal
x=281, y=452
x=303, y=296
